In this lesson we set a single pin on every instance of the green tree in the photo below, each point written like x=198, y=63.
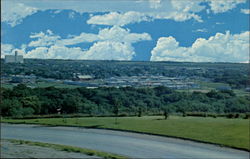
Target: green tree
x=117, y=105
x=71, y=104
x=139, y=112
x=11, y=107
x=31, y=102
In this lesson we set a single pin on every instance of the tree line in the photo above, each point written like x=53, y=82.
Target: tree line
x=23, y=101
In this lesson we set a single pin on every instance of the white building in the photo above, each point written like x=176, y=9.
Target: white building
x=13, y=58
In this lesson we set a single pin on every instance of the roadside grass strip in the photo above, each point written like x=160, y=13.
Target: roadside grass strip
x=66, y=148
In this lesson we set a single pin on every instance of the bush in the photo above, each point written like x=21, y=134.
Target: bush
x=123, y=115
x=214, y=115
x=230, y=116
x=237, y=115
x=184, y=114
x=197, y=114
x=247, y=116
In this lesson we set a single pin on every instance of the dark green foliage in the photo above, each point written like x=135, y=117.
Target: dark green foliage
x=230, y=115
x=166, y=114
x=184, y=114
x=237, y=115
x=31, y=102
x=117, y=105
x=139, y=112
x=22, y=101
x=247, y=116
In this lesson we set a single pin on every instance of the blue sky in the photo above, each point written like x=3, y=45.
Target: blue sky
x=142, y=30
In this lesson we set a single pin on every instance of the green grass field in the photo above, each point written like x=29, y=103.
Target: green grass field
x=223, y=131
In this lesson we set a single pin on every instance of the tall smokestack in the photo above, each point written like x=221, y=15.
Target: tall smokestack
x=15, y=56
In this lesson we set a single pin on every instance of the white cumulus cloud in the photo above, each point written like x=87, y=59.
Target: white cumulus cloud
x=119, y=34
x=6, y=49
x=39, y=52
x=9, y=49
x=109, y=50
x=83, y=37
x=43, y=39
x=110, y=44
x=121, y=12
x=245, y=11
x=121, y=19
x=219, y=48
x=220, y=6
x=13, y=12
x=177, y=10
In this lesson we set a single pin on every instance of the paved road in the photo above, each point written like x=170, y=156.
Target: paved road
x=124, y=143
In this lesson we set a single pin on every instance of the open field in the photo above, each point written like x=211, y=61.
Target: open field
x=228, y=132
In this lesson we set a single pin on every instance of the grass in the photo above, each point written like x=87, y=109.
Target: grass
x=7, y=85
x=212, y=84
x=240, y=92
x=208, y=86
x=222, y=131
x=69, y=149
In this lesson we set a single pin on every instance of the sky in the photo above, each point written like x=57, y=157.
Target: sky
x=131, y=30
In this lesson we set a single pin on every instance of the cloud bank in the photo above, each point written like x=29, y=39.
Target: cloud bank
x=177, y=10
x=219, y=48
x=13, y=13
x=109, y=44
x=121, y=12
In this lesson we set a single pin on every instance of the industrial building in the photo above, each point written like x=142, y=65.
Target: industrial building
x=13, y=58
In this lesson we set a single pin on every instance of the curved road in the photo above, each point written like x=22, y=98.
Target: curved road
x=124, y=143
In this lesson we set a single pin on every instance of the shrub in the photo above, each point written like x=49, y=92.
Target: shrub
x=247, y=116
x=123, y=115
x=230, y=116
x=184, y=114
x=237, y=115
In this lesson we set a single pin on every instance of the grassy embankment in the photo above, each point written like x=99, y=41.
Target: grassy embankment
x=222, y=131
x=207, y=86
x=69, y=149
x=42, y=85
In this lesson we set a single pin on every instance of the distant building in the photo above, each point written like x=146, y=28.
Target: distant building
x=84, y=77
x=247, y=89
x=13, y=58
x=224, y=88
x=23, y=79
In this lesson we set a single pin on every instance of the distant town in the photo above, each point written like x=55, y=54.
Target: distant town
x=124, y=81
x=94, y=74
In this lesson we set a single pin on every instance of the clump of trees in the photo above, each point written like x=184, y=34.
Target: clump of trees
x=24, y=101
